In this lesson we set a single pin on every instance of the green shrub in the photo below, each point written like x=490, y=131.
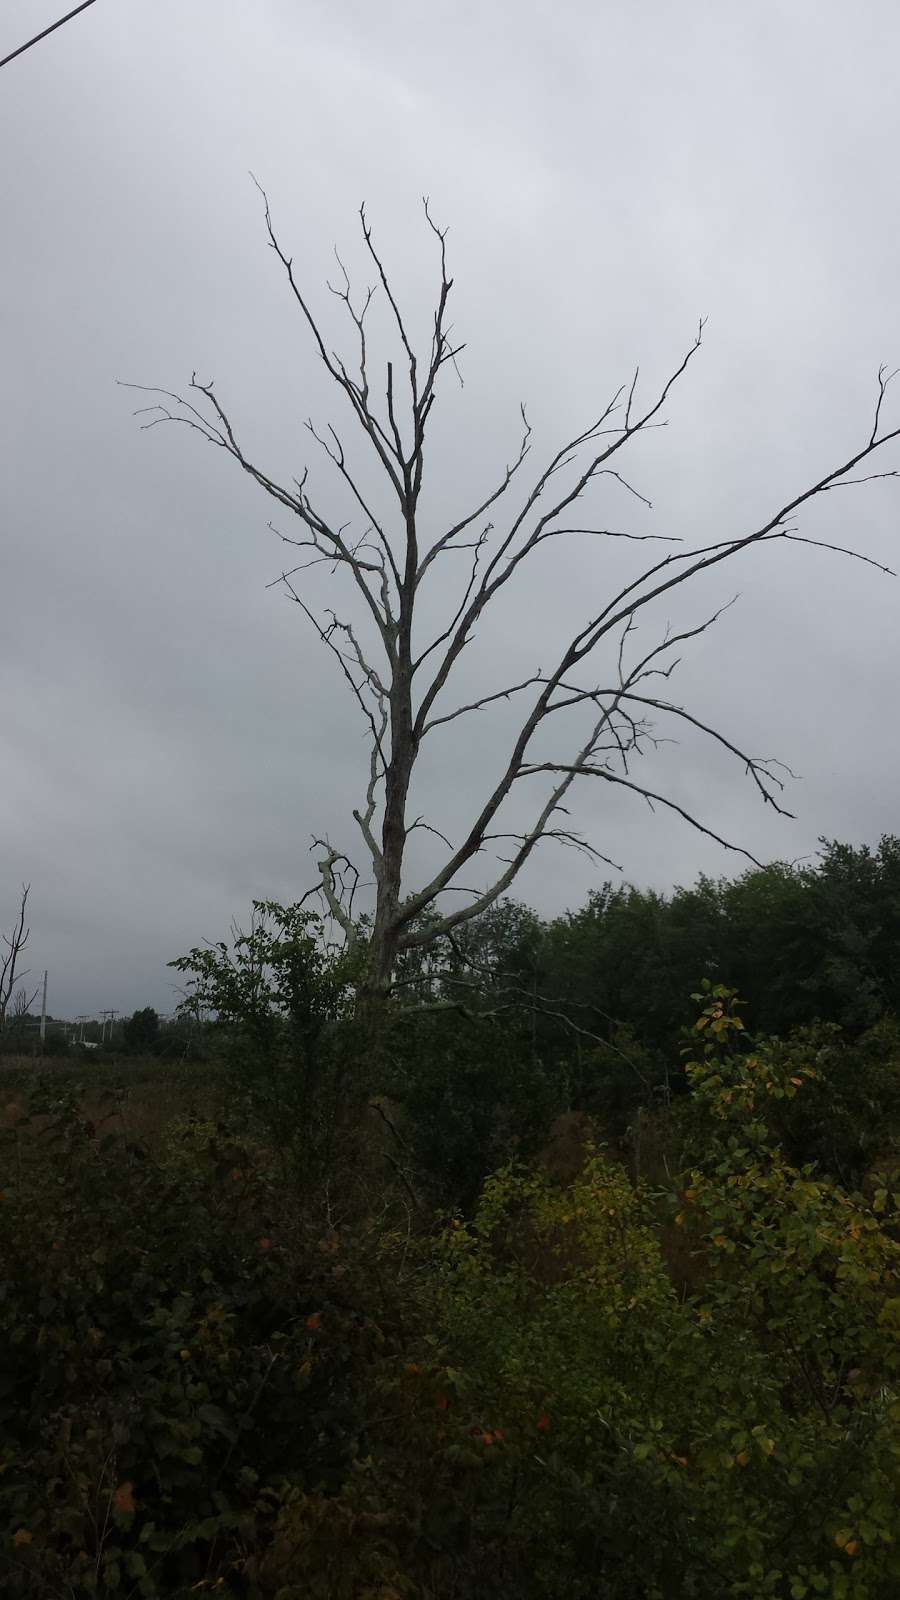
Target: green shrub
x=283, y=1033
x=574, y=1426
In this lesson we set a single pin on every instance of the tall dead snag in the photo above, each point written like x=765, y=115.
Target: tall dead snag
x=401, y=683
x=15, y=943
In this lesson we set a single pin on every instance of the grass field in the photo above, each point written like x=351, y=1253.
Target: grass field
x=136, y=1096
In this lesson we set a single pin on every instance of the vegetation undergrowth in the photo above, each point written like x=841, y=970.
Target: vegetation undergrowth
x=231, y=1365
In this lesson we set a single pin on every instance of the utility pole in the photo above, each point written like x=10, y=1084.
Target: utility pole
x=81, y=1020
x=44, y=1013
x=109, y=1015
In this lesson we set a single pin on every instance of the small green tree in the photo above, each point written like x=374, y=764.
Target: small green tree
x=276, y=995
x=141, y=1031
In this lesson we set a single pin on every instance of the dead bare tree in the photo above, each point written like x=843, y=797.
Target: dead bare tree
x=399, y=681
x=15, y=943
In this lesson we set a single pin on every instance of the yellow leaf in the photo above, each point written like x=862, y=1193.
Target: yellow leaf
x=742, y=1457
x=843, y=1537
x=851, y=1548
x=21, y=1536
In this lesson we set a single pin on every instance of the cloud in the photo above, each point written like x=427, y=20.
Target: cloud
x=171, y=735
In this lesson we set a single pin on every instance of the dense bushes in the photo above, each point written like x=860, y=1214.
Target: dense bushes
x=596, y=1002
x=215, y=1376
x=179, y=1349
x=806, y=943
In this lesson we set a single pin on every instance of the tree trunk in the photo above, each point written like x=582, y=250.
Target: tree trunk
x=385, y=943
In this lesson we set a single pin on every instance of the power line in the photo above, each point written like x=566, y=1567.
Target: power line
x=52, y=29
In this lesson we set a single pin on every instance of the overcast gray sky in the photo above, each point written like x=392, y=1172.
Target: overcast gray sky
x=171, y=736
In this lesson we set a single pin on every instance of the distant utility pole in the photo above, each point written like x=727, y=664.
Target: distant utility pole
x=81, y=1020
x=43, y=34
x=44, y=1011
x=111, y=1014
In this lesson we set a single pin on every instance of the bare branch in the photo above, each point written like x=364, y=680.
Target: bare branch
x=648, y=794
x=421, y=823
x=337, y=457
x=358, y=319
x=507, y=559
x=615, y=613
x=564, y=836
x=377, y=770
x=412, y=907
x=757, y=767
x=364, y=415
x=475, y=516
x=330, y=540
x=630, y=599
x=370, y=678
x=840, y=549
x=615, y=533
x=333, y=890
x=486, y=700
x=884, y=378
x=385, y=284
x=15, y=942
